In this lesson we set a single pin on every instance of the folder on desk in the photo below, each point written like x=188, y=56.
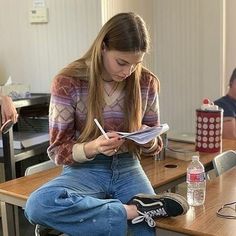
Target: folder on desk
x=27, y=139
x=181, y=137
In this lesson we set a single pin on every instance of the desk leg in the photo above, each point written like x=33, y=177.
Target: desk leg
x=10, y=219
x=9, y=155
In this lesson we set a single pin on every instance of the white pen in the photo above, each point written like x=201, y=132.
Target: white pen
x=101, y=129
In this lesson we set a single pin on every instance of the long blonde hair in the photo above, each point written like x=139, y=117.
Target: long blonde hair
x=125, y=32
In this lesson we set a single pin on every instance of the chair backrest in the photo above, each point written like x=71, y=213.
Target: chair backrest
x=39, y=167
x=224, y=161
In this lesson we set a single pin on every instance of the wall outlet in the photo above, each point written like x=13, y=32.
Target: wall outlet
x=38, y=15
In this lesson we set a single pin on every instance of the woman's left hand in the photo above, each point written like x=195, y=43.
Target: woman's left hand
x=158, y=142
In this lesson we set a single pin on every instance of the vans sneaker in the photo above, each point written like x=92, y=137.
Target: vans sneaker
x=151, y=207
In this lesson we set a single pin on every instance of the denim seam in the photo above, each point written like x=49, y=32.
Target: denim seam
x=109, y=219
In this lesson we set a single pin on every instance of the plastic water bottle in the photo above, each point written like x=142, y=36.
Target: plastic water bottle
x=196, y=182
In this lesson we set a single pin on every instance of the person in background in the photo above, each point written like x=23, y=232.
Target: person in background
x=228, y=103
x=103, y=189
x=8, y=110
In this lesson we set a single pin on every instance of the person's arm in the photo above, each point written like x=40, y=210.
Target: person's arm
x=152, y=117
x=62, y=121
x=229, y=128
x=8, y=110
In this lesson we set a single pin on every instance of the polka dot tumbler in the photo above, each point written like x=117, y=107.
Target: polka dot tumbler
x=209, y=130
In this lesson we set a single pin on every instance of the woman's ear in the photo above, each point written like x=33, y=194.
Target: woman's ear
x=104, y=47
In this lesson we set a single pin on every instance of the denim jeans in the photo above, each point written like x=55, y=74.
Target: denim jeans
x=87, y=198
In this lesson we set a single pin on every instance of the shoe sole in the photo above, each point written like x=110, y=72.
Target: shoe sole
x=172, y=196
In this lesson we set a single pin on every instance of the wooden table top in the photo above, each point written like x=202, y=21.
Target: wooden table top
x=156, y=171
x=22, y=187
x=202, y=220
x=159, y=174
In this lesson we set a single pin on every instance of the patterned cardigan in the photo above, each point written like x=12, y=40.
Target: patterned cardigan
x=67, y=116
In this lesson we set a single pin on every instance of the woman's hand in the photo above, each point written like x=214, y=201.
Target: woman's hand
x=104, y=146
x=109, y=146
x=155, y=145
x=8, y=110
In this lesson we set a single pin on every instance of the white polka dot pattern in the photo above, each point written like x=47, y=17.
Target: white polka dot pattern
x=208, y=130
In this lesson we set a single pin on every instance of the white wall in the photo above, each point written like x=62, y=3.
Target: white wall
x=33, y=53
x=230, y=39
x=188, y=49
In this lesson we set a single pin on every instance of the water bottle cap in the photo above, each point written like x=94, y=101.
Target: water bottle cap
x=195, y=158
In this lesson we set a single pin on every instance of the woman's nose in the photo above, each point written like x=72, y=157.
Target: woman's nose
x=128, y=70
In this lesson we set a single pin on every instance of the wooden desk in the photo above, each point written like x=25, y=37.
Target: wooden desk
x=164, y=178
x=15, y=192
x=203, y=220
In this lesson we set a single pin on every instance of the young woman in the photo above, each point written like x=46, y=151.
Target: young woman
x=98, y=192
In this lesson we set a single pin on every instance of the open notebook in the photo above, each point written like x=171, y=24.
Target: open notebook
x=145, y=135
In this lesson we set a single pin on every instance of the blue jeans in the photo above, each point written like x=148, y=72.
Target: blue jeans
x=87, y=198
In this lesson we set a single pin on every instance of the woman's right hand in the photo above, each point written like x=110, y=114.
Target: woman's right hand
x=109, y=146
x=101, y=145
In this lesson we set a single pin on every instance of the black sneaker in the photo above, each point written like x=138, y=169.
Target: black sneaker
x=151, y=207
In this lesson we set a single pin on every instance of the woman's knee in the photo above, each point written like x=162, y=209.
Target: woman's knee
x=46, y=203
x=34, y=210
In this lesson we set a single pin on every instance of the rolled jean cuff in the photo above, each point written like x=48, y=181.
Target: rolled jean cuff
x=117, y=218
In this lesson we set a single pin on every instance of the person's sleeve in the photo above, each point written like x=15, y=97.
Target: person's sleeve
x=151, y=116
x=63, y=149
x=228, y=111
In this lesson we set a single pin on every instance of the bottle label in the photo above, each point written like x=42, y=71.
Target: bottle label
x=196, y=177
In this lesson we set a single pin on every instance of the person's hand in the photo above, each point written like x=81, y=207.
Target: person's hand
x=158, y=145
x=8, y=110
x=109, y=146
x=144, y=127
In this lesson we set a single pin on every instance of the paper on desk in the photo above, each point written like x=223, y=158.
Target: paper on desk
x=15, y=90
x=145, y=135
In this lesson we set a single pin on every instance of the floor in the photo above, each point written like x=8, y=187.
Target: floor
x=26, y=229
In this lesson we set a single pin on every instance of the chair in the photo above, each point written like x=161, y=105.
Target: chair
x=40, y=167
x=224, y=161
